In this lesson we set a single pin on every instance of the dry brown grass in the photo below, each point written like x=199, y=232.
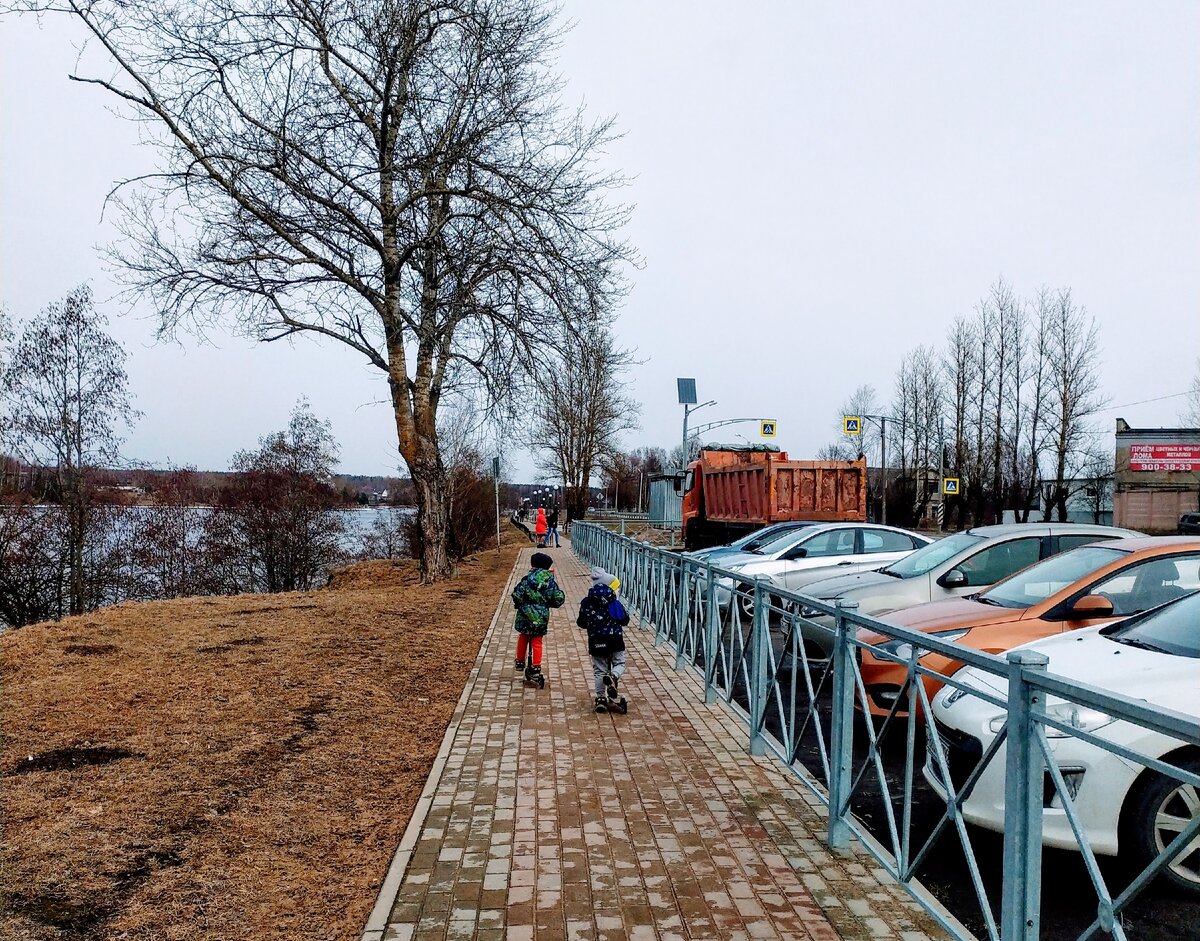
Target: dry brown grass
x=234, y=767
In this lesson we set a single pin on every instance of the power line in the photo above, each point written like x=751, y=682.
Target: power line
x=1173, y=395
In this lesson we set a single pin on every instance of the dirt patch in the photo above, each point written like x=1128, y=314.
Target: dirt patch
x=91, y=650
x=231, y=644
x=234, y=768
x=68, y=759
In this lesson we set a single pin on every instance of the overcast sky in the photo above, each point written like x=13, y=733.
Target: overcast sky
x=818, y=188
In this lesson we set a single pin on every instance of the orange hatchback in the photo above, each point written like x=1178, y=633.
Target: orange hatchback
x=1084, y=587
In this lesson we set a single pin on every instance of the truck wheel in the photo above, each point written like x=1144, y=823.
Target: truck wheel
x=1160, y=808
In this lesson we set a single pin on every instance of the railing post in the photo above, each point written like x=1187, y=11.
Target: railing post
x=712, y=634
x=760, y=644
x=685, y=615
x=1021, y=893
x=841, y=734
x=662, y=625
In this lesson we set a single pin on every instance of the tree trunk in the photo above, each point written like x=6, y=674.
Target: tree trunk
x=432, y=489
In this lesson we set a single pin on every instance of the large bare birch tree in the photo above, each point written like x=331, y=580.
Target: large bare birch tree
x=395, y=175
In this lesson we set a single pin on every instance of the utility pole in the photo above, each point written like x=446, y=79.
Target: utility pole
x=883, y=461
x=496, y=482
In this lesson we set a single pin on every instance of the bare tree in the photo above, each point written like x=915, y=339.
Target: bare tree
x=67, y=401
x=277, y=525
x=959, y=367
x=1189, y=416
x=1073, y=392
x=917, y=418
x=580, y=412
x=1027, y=414
x=396, y=175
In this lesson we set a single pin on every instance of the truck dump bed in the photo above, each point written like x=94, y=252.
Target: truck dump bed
x=777, y=491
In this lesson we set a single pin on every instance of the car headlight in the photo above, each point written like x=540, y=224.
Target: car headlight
x=1083, y=718
x=904, y=650
x=1078, y=717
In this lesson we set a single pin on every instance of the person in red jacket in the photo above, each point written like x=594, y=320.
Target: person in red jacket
x=541, y=527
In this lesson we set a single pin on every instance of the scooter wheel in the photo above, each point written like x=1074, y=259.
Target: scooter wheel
x=623, y=706
x=541, y=682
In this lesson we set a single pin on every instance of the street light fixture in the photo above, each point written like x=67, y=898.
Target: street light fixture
x=687, y=398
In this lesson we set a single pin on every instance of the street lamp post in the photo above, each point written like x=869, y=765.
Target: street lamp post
x=687, y=410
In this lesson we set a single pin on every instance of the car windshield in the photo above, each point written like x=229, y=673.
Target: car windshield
x=780, y=543
x=1045, y=578
x=756, y=541
x=931, y=556
x=1174, y=628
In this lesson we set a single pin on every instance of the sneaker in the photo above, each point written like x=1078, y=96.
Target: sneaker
x=601, y=704
x=520, y=665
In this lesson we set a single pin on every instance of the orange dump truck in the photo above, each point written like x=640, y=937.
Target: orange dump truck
x=730, y=491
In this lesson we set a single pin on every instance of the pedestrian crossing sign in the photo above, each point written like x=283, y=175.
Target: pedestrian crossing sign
x=851, y=425
x=767, y=428
x=950, y=486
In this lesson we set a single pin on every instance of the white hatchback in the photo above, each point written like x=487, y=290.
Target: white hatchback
x=1123, y=807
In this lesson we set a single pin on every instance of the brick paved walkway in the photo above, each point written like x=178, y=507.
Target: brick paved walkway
x=551, y=822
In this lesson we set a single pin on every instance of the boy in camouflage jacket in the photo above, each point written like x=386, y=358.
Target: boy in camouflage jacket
x=533, y=597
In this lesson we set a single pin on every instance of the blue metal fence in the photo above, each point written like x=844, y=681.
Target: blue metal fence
x=751, y=653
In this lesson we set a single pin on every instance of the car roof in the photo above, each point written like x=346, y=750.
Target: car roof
x=859, y=523
x=1012, y=529
x=1151, y=543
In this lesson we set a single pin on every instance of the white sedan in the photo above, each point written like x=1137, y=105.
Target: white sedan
x=839, y=548
x=1123, y=807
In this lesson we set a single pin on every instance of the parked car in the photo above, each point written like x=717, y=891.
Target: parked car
x=957, y=565
x=1123, y=807
x=748, y=543
x=847, y=546
x=1085, y=587
x=1189, y=524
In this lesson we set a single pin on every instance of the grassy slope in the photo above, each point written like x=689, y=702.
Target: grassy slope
x=278, y=743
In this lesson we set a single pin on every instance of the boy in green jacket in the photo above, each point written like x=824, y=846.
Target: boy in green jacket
x=533, y=598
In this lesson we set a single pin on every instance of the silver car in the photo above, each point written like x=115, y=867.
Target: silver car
x=842, y=547
x=960, y=564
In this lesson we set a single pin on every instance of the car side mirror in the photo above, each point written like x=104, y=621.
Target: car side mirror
x=1091, y=606
x=798, y=553
x=955, y=578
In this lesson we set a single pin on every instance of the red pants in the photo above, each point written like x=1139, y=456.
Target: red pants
x=529, y=643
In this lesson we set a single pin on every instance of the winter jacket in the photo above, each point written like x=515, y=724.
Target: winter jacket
x=533, y=597
x=552, y=519
x=603, y=616
x=539, y=526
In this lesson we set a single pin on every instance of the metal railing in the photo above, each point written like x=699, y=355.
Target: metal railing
x=750, y=646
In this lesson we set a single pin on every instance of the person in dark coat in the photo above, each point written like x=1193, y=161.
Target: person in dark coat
x=552, y=528
x=604, y=618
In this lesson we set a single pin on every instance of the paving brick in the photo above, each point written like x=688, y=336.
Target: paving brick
x=551, y=822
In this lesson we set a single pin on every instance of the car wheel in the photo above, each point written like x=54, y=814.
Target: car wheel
x=1161, y=808
x=745, y=599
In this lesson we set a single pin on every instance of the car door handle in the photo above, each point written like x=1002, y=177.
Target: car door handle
x=845, y=563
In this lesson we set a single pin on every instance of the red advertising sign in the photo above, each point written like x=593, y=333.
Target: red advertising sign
x=1164, y=457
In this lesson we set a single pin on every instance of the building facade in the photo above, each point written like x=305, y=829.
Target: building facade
x=1157, y=477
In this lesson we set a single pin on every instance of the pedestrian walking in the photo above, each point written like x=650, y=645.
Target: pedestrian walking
x=533, y=598
x=540, y=527
x=604, y=618
x=552, y=531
